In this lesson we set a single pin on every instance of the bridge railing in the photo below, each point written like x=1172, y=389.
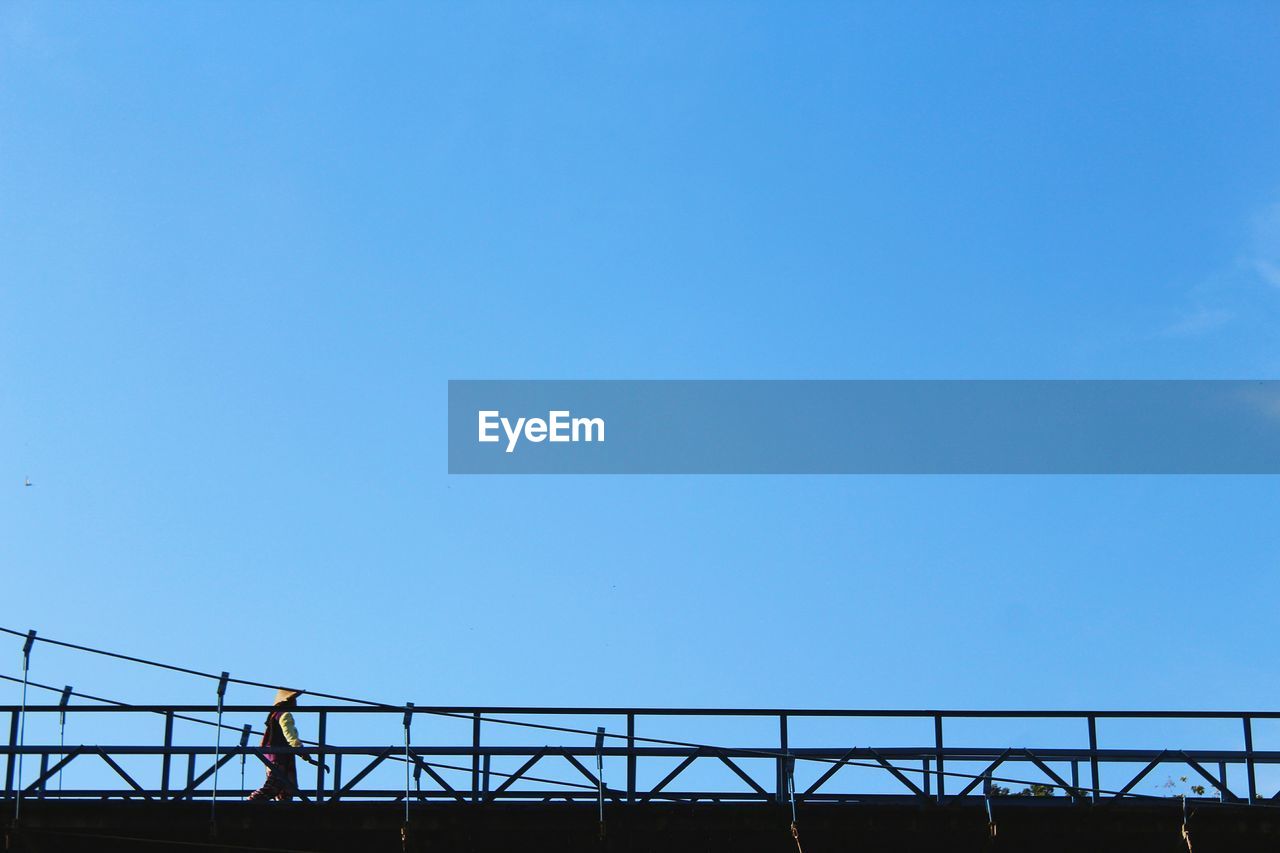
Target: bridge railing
x=624, y=761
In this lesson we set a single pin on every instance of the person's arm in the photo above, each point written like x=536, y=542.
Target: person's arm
x=290, y=730
x=291, y=735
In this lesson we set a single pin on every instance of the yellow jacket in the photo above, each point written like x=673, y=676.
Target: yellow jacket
x=290, y=730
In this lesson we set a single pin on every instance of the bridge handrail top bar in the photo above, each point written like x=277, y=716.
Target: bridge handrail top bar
x=531, y=710
x=762, y=753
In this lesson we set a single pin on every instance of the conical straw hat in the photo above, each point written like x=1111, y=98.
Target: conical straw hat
x=284, y=694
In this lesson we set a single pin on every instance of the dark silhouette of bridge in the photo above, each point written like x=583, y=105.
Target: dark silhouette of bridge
x=484, y=792
x=412, y=777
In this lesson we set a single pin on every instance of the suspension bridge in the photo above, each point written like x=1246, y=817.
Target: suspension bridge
x=423, y=777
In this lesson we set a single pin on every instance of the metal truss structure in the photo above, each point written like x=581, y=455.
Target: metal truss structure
x=909, y=772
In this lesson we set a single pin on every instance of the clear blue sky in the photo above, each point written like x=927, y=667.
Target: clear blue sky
x=243, y=248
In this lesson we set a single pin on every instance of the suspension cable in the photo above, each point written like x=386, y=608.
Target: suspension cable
x=754, y=753
x=435, y=765
x=674, y=797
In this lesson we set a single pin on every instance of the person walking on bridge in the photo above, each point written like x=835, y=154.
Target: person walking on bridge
x=282, y=770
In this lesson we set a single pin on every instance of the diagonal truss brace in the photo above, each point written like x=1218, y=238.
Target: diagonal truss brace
x=1075, y=792
x=369, y=768
x=591, y=777
x=1142, y=774
x=1219, y=785
x=915, y=789
x=53, y=771
x=190, y=790
x=981, y=777
x=439, y=780
x=743, y=775
x=120, y=771
x=514, y=777
x=831, y=771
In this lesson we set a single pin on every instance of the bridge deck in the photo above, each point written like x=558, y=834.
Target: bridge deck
x=1044, y=826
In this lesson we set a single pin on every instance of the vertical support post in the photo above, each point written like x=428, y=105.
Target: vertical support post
x=1186, y=833
x=1248, y=758
x=790, y=770
x=937, y=739
x=1222, y=779
x=1093, y=757
x=13, y=743
x=22, y=723
x=927, y=785
x=600, y=777
x=782, y=758
x=992, y=829
x=44, y=768
x=337, y=776
x=475, y=756
x=217, y=748
x=631, y=758
x=166, y=759
x=322, y=733
x=244, y=756
x=1075, y=781
x=63, y=700
x=408, y=721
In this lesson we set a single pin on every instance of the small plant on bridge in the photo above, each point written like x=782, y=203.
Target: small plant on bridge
x=1180, y=788
x=1034, y=790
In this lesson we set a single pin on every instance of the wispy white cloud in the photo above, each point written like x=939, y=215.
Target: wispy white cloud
x=1200, y=321
x=1268, y=271
x=1264, y=258
x=1263, y=399
x=1238, y=291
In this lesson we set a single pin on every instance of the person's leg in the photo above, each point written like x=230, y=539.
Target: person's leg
x=287, y=783
x=271, y=789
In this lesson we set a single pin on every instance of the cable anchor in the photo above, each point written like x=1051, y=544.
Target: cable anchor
x=600, y=777
x=408, y=721
x=63, y=701
x=217, y=754
x=22, y=725
x=1186, y=829
x=789, y=767
x=992, y=829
